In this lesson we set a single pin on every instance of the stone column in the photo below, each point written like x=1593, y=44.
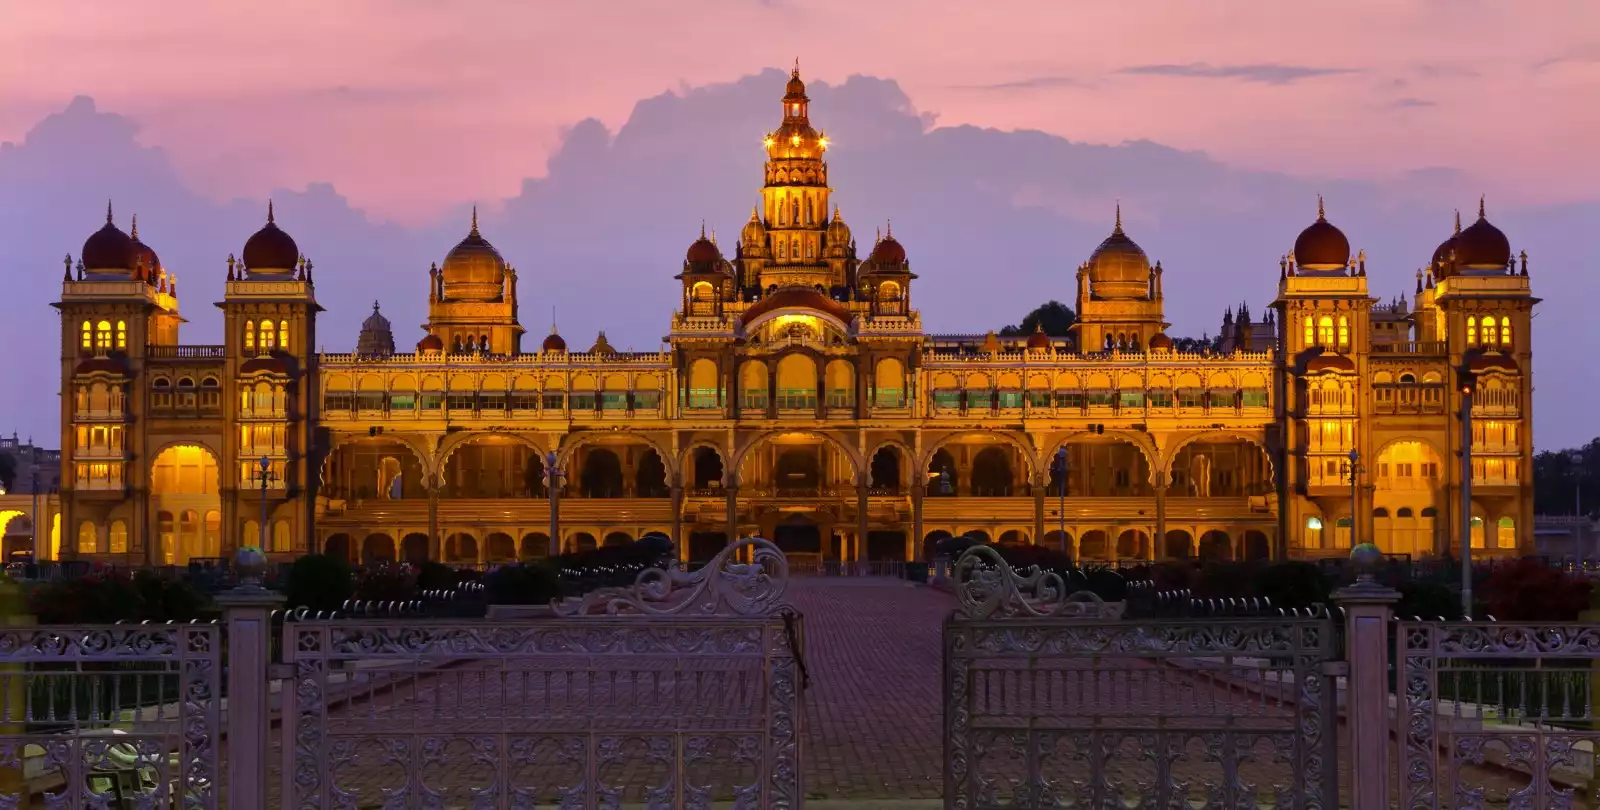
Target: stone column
x=1369, y=606
x=733, y=512
x=552, y=483
x=917, y=490
x=677, y=521
x=862, y=515
x=1038, y=511
x=248, y=612
x=1158, y=544
x=435, y=542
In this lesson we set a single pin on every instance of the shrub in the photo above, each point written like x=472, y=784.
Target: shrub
x=103, y=597
x=1428, y=601
x=1225, y=580
x=320, y=582
x=1530, y=591
x=436, y=576
x=1295, y=584
x=528, y=583
x=388, y=582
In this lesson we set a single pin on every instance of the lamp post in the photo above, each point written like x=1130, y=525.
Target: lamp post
x=1576, y=458
x=1354, y=469
x=33, y=473
x=1467, y=383
x=265, y=476
x=1061, y=511
x=552, y=483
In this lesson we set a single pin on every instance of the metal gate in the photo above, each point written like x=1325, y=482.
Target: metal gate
x=679, y=692
x=1054, y=702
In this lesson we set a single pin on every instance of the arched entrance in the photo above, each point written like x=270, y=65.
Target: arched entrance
x=415, y=548
x=705, y=468
x=374, y=469
x=943, y=477
x=1058, y=540
x=1094, y=545
x=650, y=476
x=499, y=547
x=490, y=467
x=1221, y=467
x=600, y=475
x=1012, y=537
x=1179, y=545
x=885, y=470
x=184, y=480
x=1256, y=546
x=377, y=548
x=1133, y=544
x=979, y=535
x=535, y=545
x=1216, y=545
x=1101, y=466
x=461, y=547
x=992, y=475
x=931, y=541
x=618, y=538
x=582, y=541
x=799, y=472
x=1406, y=481
x=338, y=547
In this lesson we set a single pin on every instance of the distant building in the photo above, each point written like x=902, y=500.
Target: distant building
x=26, y=456
x=797, y=397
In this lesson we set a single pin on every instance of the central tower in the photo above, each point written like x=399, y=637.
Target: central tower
x=795, y=199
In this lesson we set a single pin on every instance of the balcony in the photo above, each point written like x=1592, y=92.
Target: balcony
x=1435, y=348
x=186, y=352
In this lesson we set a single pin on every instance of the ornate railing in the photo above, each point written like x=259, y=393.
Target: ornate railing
x=1052, y=702
x=117, y=715
x=1518, y=698
x=680, y=691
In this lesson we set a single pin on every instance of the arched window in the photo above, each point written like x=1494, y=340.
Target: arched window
x=1344, y=332
x=1313, y=532
x=1472, y=331
x=1506, y=533
x=283, y=335
x=122, y=335
x=280, y=536
x=265, y=335
x=119, y=537
x=1310, y=332
x=1325, y=331
x=1505, y=333
x=811, y=212
x=1488, y=331
x=783, y=249
x=88, y=538
x=794, y=249
x=102, y=336
x=88, y=336
x=811, y=250
x=250, y=336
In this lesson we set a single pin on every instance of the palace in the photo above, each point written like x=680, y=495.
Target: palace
x=798, y=397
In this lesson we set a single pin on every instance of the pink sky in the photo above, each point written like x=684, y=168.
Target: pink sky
x=411, y=106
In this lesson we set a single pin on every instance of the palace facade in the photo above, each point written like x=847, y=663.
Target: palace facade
x=798, y=397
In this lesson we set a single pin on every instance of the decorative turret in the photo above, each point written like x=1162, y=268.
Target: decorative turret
x=376, y=338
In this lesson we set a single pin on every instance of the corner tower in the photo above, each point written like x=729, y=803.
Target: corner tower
x=472, y=299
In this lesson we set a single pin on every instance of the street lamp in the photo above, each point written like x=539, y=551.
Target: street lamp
x=1576, y=458
x=1466, y=383
x=1354, y=469
x=265, y=475
x=552, y=483
x=1061, y=465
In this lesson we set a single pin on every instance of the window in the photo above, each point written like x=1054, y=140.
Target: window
x=338, y=401
x=432, y=401
x=1505, y=333
x=250, y=336
x=283, y=335
x=797, y=399
x=1472, y=331
x=1189, y=397
x=1069, y=399
x=1488, y=331
x=1310, y=333
x=492, y=401
x=1102, y=398
x=1038, y=399
x=1010, y=399
x=88, y=336
x=1132, y=399
x=978, y=399
x=1325, y=331
x=280, y=537
x=521, y=401
x=700, y=398
x=582, y=401
x=614, y=401
x=1313, y=532
x=1160, y=399
x=265, y=336
x=119, y=537
x=122, y=335
x=890, y=398
x=402, y=402
x=1255, y=398
x=460, y=402
x=647, y=401
x=88, y=538
x=102, y=336
x=1344, y=332
x=949, y=399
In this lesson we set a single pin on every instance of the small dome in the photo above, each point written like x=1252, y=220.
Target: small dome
x=888, y=250
x=1330, y=362
x=108, y=249
x=703, y=251
x=270, y=250
x=795, y=89
x=1119, y=268
x=473, y=269
x=838, y=235
x=602, y=346
x=1321, y=246
x=1038, y=340
x=1482, y=246
x=376, y=338
x=431, y=343
x=553, y=342
x=375, y=322
x=143, y=255
x=754, y=232
x=1160, y=340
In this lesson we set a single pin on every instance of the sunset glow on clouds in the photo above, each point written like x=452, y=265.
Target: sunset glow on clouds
x=411, y=106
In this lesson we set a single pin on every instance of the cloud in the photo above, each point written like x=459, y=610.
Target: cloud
x=994, y=221
x=1030, y=83
x=1262, y=73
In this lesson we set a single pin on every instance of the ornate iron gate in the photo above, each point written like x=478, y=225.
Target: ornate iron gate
x=679, y=692
x=1054, y=702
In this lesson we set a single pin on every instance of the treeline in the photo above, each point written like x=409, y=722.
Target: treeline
x=1567, y=482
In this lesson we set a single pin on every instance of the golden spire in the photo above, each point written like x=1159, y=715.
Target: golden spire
x=836, y=212
x=702, y=229
x=796, y=72
x=474, y=219
x=1480, y=207
x=135, y=232
x=1118, y=228
x=108, y=211
x=269, y=212
x=888, y=229
x=1322, y=213
x=755, y=214
x=1458, y=220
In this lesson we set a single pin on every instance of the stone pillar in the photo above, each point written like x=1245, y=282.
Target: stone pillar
x=917, y=494
x=1038, y=512
x=862, y=516
x=1369, y=606
x=435, y=542
x=1158, y=544
x=552, y=484
x=248, y=613
x=677, y=522
x=733, y=512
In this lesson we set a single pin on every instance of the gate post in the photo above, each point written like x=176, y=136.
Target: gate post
x=1369, y=608
x=247, y=611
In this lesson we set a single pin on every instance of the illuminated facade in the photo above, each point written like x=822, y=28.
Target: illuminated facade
x=798, y=397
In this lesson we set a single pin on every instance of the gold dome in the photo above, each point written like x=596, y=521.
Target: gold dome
x=473, y=269
x=1119, y=268
x=838, y=236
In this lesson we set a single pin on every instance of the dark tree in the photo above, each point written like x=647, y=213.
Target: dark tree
x=1189, y=344
x=8, y=471
x=1054, y=317
x=1567, y=482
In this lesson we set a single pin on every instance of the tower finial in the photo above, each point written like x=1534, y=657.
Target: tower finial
x=796, y=72
x=374, y=306
x=1322, y=213
x=1480, y=207
x=1118, y=228
x=474, y=219
x=702, y=228
x=1458, y=220
x=888, y=228
x=108, y=211
x=269, y=212
x=135, y=229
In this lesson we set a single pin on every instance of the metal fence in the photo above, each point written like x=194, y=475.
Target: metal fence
x=1055, y=701
x=682, y=693
x=1497, y=714
x=117, y=715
